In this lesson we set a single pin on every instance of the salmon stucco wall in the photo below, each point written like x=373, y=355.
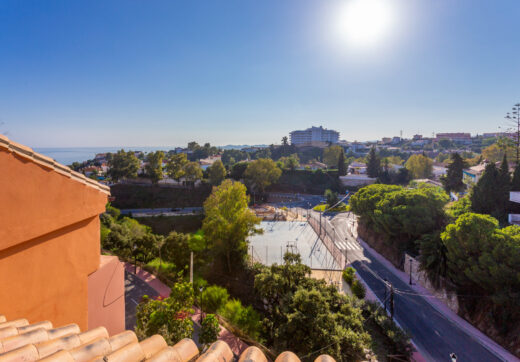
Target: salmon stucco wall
x=49, y=239
x=46, y=278
x=106, y=296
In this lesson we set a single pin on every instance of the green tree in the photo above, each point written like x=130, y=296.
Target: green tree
x=175, y=166
x=485, y=260
x=419, y=166
x=459, y=207
x=489, y=195
x=401, y=214
x=123, y=165
x=305, y=315
x=176, y=249
x=332, y=197
x=153, y=166
x=331, y=155
x=169, y=317
x=210, y=329
x=342, y=166
x=261, y=173
x=192, y=171
x=454, y=174
x=432, y=257
x=504, y=187
x=228, y=223
x=217, y=173
x=290, y=162
x=373, y=163
x=515, y=183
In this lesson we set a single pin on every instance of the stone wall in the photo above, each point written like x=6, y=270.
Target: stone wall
x=420, y=277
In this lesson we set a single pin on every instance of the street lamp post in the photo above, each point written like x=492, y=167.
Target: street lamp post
x=201, y=289
x=411, y=271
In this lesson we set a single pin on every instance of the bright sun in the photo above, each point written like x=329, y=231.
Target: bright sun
x=364, y=23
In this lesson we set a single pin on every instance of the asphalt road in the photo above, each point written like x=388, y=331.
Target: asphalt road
x=135, y=288
x=158, y=211
x=434, y=334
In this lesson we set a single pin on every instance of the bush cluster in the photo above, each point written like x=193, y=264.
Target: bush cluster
x=355, y=285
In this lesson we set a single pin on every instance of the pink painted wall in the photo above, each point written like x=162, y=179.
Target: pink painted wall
x=106, y=295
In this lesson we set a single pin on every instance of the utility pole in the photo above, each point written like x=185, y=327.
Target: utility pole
x=320, y=223
x=191, y=267
x=346, y=252
x=391, y=301
x=386, y=287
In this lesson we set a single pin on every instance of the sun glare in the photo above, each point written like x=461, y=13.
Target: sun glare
x=364, y=23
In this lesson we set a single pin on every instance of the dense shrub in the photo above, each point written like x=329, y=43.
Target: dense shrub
x=168, y=317
x=397, y=341
x=213, y=298
x=245, y=318
x=348, y=275
x=210, y=329
x=358, y=289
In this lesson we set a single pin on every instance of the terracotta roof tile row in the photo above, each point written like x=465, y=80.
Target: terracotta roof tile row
x=49, y=163
x=21, y=341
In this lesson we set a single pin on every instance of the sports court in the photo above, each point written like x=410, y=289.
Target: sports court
x=293, y=236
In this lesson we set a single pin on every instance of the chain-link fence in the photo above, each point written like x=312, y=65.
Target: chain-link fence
x=325, y=232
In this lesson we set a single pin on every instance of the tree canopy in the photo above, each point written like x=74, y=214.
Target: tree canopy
x=228, y=223
x=373, y=163
x=483, y=259
x=123, y=165
x=342, y=164
x=153, y=167
x=491, y=193
x=261, y=173
x=175, y=165
x=331, y=155
x=402, y=214
x=419, y=166
x=454, y=174
x=217, y=173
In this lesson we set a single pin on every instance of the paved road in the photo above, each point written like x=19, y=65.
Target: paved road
x=135, y=288
x=434, y=334
x=164, y=210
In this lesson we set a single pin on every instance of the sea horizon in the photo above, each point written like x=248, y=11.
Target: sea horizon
x=68, y=155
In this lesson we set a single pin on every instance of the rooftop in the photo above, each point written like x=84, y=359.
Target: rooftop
x=48, y=163
x=21, y=341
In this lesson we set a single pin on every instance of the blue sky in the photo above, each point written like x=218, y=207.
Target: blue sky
x=146, y=73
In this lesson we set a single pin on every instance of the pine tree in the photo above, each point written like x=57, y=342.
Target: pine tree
x=491, y=193
x=373, y=163
x=483, y=196
x=454, y=174
x=342, y=167
x=504, y=186
x=515, y=184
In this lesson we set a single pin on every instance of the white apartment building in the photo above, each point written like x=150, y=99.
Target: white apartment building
x=314, y=136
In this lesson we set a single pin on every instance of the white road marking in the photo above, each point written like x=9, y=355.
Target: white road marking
x=132, y=299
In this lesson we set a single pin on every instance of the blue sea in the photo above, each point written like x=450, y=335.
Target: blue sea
x=69, y=155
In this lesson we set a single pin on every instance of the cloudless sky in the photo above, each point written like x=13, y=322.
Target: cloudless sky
x=147, y=72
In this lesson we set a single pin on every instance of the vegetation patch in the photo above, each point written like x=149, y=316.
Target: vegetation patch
x=163, y=225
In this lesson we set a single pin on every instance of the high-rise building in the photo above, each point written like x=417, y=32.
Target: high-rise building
x=314, y=136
